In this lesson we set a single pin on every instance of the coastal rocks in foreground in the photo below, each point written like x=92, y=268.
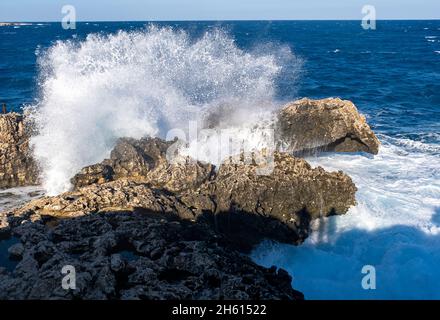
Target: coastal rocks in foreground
x=138, y=227
x=17, y=168
x=329, y=124
x=250, y=206
x=128, y=255
x=237, y=201
x=120, y=195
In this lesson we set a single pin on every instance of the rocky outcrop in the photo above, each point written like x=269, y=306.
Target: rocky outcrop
x=4, y=225
x=138, y=227
x=17, y=168
x=129, y=255
x=120, y=195
x=237, y=200
x=145, y=161
x=280, y=206
x=303, y=126
x=325, y=125
x=291, y=187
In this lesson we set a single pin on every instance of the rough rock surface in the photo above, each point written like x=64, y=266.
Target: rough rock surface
x=17, y=167
x=145, y=161
x=134, y=256
x=138, y=227
x=303, y=126
x=292, y=186
x=237, y=201
x=120, y=195
x=329, y=124
x=4, y=225
x=279, y=205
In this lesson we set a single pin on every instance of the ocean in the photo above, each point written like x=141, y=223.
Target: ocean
x=104, y=80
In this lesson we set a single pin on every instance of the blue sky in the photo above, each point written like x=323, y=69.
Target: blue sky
x=88, y=10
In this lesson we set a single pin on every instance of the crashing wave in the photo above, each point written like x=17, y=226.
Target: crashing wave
x=134, y=84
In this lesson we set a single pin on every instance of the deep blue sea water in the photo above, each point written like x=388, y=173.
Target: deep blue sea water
x=392, y=74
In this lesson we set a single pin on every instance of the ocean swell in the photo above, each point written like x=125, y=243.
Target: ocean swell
x=395, y=227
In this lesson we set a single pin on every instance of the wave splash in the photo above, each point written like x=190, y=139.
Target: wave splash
x=395, y=227
x=134, y=84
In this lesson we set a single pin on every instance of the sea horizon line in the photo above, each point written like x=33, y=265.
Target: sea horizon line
x=215, y=20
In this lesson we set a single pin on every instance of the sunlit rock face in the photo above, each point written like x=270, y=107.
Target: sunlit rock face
x=329, y=124
x=17, y=168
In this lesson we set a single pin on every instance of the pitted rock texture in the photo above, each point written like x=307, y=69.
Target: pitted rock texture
x=280, y=205
x=145, y=161
x=238, y=200
x=329, y=124
x=17, y=167
x=135, y=256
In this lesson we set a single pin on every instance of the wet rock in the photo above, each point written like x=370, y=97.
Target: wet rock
x=279, y=205
x=120, y=195
x=98, y=173
x=292, y=186
x=4, y=225
x=17, y=168
x=329, y=124
x=16, y=251
x=238, y=200
x=145, y=161
x=116, y=263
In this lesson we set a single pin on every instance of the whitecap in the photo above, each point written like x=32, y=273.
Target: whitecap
x=15, y=197
x=394, y=227
x=135, y=84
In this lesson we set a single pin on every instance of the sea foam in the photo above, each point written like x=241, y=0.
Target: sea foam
x=144, y=83
x=394, y=227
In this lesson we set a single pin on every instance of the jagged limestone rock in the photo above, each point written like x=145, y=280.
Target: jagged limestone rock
x=237, y=200
x=145, y=161
x=328, y=124
x=17, y=168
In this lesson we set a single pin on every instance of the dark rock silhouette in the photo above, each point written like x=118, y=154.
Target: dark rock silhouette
x=135, y=255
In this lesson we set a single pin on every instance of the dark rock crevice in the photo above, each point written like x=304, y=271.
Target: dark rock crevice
x=194, y=261
x=348, y=143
